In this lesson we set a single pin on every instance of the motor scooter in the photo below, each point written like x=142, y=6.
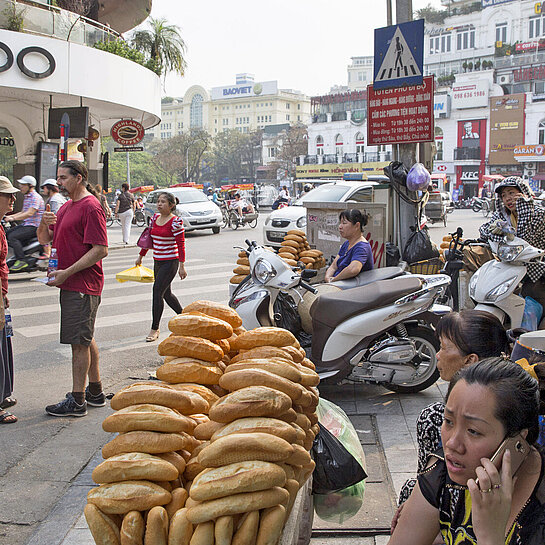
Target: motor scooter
x=493, y=285
x=32, y=249
x=380, y=332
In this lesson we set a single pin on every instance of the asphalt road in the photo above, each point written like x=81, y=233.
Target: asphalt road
x=41, y=455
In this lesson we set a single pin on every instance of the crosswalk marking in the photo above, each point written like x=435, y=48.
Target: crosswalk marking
x=109, y=301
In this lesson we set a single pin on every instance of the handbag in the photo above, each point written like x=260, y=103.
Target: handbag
x=144, y=240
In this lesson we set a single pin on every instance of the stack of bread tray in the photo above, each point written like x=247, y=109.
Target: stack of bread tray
x=242, y=268
x=296, y=249
x=215, y=452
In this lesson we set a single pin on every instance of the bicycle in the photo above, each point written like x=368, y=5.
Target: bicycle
x=110, y=221
x=139, y=218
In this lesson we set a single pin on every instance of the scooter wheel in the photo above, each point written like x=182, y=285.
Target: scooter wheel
x=427, y=347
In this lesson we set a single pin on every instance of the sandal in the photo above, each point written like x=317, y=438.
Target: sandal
x=7, y=418
x=153, y=336
x=8, y=402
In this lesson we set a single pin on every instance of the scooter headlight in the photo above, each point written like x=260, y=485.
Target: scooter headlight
x=473, y=283
x=498, y=291
x=301, y=222
x=263, y=271
x=509, y=253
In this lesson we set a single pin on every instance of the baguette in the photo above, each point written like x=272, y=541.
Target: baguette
x=239, y=503
x=299, y=457
x=237, y=278
x=247, y=531
x=147, y=417
x=120, y=498
x=298, y=232
x=261, y=352
x=152, y=442
x=242, y=447
x=175, y=459
x=203, y=326
x=217, y=310
x=262, y=424
x=180, y=529
x=179, y=497
x=237, y=478
x=158, y=394
x=251, y=401
x=103, y=529
x=132, y=529
x=294, y=354
x=243, y=270
x=244, y=378
x=156, y=527
x=207, y=430
x=134, y=466
x=223, y=530
x=203, y=534
x=263, y=336
x=189, y=371
x=280, y=368
x=187, y=346
x=271, y=524
x=207, y=394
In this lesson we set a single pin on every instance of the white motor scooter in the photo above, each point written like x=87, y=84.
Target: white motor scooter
x=493, y=285
x=382, y=332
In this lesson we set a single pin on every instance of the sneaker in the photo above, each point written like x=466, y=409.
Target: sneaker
x=19, y=265
x=67, y=407
x=95, y=401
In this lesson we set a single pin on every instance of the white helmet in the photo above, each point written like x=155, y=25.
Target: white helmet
x=30, y=180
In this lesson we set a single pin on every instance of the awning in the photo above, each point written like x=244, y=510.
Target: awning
x=142, y=189
x=492, y=177
x=439, y=176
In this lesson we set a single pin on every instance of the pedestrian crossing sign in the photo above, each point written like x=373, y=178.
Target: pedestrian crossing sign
x=399, y=55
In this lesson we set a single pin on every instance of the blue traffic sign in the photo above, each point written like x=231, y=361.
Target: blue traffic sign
x=399, y=55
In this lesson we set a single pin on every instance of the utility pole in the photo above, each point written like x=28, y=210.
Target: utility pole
x=128, y=170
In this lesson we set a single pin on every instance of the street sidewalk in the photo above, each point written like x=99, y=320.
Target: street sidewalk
x=395, y=416
x=115, y=238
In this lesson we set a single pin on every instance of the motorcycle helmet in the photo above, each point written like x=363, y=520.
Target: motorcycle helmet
x=307, y=188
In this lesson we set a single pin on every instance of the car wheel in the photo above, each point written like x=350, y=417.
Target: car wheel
x=215, y=230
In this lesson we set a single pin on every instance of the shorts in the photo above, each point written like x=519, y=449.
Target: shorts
x=78, y=314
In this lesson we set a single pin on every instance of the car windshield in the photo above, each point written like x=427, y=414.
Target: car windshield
x=190, y=195
x=324, y=193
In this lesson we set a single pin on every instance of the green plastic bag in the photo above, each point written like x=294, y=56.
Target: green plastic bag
x=343, y=505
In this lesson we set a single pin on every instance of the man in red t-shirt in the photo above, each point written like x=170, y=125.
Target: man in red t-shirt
x=78, y=233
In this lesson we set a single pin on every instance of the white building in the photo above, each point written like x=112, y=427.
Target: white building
x=245, y=106
x=50, y=63
x=360, y=73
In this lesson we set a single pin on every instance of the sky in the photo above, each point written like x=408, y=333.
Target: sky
x=304, y=44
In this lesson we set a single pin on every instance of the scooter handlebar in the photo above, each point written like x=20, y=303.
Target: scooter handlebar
x=308, y=287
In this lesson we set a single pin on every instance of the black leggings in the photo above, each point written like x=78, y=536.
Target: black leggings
x=164, y=272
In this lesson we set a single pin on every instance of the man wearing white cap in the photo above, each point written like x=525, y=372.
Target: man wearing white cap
x=30, y=215
x=53, y=198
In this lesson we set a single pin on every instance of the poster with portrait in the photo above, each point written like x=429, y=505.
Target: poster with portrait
x=469, y=132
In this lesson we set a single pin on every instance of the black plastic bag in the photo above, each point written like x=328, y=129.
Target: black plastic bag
x=336, y=468
x=419, y=248
x=397, y=172
x=393, y=255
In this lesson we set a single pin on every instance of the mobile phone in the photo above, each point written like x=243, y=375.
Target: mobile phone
x=519, y=447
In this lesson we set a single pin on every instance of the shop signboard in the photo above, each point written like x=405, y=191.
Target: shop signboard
x=244, y=90
x=401, y=115
x=470, y=95
x=337, y=170
x=536, y=150
x=127, y=132
x=441, y=106
x=506, y=128
x=489, y=3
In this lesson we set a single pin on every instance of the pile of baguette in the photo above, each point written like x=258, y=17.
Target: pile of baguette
x=296, y=249
x=215, y=452
x=242, y=270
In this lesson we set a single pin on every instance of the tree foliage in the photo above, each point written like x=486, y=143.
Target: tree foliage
x=432, y=15
x=81, y=7
x=235, y=154
x=290, y=145
x=163, y=44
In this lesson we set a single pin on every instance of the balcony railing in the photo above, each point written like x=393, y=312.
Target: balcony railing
x=467, y=154
x=45, y=20
x=310, y=160
x=523, y=59
x=350, y=158
x=338, y=116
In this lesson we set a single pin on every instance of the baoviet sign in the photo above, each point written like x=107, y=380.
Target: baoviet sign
x=529, y=151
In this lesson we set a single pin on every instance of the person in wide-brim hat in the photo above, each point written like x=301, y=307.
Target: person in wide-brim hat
x=7, y=198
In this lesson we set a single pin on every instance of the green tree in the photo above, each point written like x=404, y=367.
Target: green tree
x=163, y=44
x=231, y=153
x=291, y=144
x=432, y=15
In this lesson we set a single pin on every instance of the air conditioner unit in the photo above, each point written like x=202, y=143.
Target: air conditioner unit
x=531, y=172
x=504, y=79
x=530, y=166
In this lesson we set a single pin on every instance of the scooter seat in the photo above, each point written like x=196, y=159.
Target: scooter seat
x=333, y=308
x=368, y=277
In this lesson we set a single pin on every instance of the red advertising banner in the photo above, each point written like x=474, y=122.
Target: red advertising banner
x=400, y=115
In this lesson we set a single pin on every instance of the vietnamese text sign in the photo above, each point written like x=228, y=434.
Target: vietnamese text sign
x=506, y=128
x=400, y=115
x=470, y=95
x=335, y=170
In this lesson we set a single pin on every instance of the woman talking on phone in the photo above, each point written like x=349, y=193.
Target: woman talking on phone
x=167, y=233
x=491, y=412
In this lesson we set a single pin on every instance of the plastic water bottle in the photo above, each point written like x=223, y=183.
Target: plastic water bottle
x=9, y=325
x=53, y=263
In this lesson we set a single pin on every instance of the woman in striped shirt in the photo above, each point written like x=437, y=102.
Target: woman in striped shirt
x=167, y=233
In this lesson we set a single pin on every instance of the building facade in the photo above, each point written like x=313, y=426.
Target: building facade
x=245, y=106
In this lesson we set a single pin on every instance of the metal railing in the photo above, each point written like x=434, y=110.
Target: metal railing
x=467, y=154
x=520, y=60
x=310, y=160
x=338, y=116
x=46, y=20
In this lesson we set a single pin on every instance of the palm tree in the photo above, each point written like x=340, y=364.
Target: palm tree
x=163, y=44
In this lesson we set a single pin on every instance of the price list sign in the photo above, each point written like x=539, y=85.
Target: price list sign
x=400, y=115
